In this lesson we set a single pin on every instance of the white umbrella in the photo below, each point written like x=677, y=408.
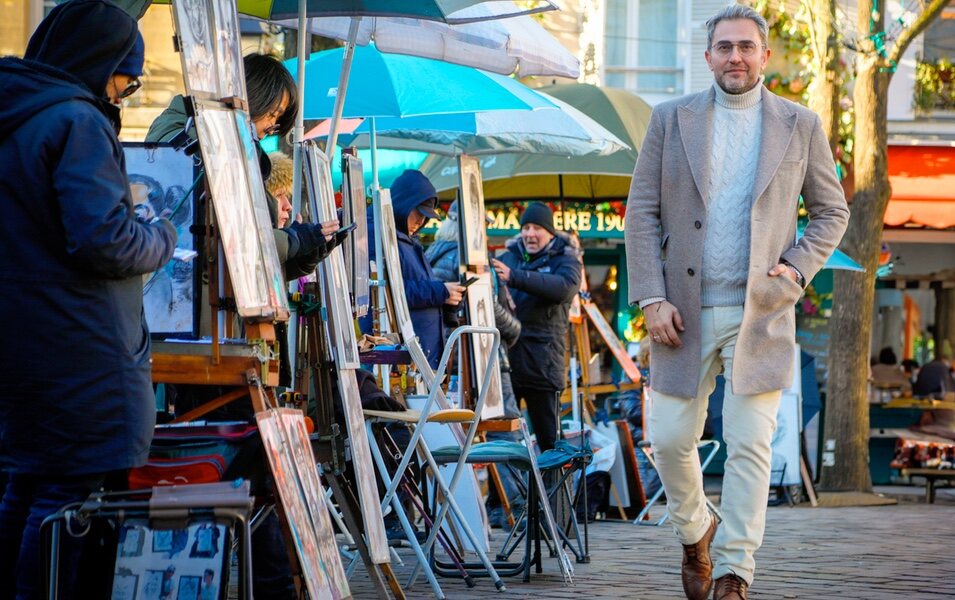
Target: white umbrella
x=505, y=46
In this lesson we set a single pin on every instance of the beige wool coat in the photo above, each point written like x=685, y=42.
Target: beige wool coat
x=666, y=226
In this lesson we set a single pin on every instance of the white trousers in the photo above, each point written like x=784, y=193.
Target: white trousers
x=676, y=426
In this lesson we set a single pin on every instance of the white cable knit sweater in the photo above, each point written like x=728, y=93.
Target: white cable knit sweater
x=734, y=155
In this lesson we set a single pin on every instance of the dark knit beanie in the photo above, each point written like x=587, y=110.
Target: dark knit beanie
x=539, y=214
x=132, y=65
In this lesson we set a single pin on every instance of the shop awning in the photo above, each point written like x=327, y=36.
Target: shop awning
x=923, y=186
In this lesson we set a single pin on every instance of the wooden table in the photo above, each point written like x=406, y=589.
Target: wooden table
x=931, y=476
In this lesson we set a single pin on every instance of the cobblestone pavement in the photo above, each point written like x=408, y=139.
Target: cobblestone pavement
x=865, y=553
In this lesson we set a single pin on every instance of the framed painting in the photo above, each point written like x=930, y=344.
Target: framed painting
x=163, y=181
x=194, y=30
x=613, y=342
x=228, y=44
x=389, y=245
x=357, y=257
x=238, y=198
x=302, y=497
x=471, y=214
x=480, y=303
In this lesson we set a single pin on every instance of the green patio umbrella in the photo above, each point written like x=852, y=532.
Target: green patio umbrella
x=540, y=177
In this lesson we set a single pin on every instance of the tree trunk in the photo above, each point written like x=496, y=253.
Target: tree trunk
x=847, y=407
x=824, y=89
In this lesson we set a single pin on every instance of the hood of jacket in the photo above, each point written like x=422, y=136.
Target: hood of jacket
x=86, y=38
x=28, y=88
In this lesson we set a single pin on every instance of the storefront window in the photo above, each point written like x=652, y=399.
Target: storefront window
x=14, y=27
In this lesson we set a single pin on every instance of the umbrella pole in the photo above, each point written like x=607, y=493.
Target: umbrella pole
x=379, y=248
x=304, y=45
x=298, y=132
x=342, y=85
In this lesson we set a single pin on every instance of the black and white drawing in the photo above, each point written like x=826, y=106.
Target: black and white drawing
x=228, y=50
x=480, y=299
x=357, y=257
x=471, y=213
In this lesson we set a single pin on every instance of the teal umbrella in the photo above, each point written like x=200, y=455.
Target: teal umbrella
x=838, y=260
x=563, y=130
x=396, y=85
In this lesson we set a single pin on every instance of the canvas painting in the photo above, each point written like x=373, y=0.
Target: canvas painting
x=197, y=47
x=613, y=342
x=162, y=181
x=471, y=213
x=231, y=76
x=357, y=257
x=240, y=208
x=278, y=292
x=389, y=244
x=323, y=574
x=480, y=299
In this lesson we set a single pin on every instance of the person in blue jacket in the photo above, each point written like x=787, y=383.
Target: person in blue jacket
x=413, y=199
x=76, y=399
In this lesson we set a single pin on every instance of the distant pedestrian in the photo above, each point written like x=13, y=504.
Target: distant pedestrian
x=542, y=270
x=714, y=263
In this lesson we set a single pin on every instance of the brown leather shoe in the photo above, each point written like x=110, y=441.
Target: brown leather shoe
x=697, y=573
x=730, y=587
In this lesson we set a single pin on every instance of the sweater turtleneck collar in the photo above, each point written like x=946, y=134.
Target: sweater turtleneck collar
x=742, y=101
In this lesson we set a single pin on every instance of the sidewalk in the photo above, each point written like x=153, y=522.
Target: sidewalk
x=865, y=553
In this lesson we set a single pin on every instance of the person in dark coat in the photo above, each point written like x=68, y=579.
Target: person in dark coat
x=76, y=399
x=413, y=200
x=542, y=270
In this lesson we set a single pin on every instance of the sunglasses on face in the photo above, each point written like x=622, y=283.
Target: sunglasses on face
x=131, y=89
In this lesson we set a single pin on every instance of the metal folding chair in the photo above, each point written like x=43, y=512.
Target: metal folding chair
x=709, y=447
x=417, y=420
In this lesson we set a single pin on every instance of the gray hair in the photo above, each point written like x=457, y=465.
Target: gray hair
x=734, y=12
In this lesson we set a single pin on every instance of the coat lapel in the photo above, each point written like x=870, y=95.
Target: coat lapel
x=696, y=119
x=779, y=123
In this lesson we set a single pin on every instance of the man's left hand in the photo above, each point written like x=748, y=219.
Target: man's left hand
x=784, y=269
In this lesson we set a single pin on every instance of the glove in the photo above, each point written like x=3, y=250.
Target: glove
x=305, y=238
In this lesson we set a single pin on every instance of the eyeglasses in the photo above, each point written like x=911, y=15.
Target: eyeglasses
x=725, y=49
x=131, y=89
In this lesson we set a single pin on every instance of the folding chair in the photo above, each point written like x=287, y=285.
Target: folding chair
x=709, y=447
x=417, y=420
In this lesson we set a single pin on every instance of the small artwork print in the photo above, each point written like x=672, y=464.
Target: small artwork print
x=188, y=587
x=124, y=586
x=131, y=541
x=153, y=585
x=471, y=213
x=480, y=299
x=205, y=541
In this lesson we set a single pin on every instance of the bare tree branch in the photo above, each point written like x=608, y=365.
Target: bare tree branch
x=928, y=14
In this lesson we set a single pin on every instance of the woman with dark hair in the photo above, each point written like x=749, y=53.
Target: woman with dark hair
x=273, y=103
x=273, y=107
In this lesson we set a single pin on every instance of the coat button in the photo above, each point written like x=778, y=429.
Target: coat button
x=697, y=224
x=690, y=272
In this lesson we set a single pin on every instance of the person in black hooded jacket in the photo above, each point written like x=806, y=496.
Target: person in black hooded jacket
x=76, y=400
x=542, y=270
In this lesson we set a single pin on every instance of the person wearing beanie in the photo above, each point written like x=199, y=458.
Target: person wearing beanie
x=542, y=271
x=76, y=397
x=713, y=261
x=414, y=200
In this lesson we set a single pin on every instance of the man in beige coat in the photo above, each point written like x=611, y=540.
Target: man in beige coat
x=713, y=261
